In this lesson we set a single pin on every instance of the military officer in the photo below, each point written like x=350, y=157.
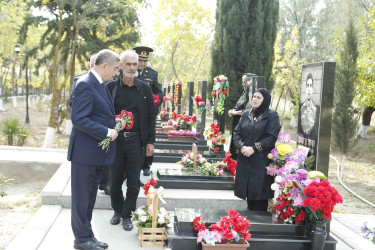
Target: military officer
x=149, y=76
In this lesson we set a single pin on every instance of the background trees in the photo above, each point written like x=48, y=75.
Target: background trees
x=245, y=33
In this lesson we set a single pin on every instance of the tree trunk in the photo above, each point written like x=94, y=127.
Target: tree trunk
x=49, y=137
x=342, y=167
x=366, y=120
x=278, y=101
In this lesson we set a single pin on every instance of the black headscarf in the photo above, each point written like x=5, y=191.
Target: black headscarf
x=265, y=105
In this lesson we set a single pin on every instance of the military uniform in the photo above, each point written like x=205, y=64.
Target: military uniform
x=149, y=76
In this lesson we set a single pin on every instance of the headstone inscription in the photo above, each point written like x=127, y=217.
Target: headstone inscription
x=315, y=111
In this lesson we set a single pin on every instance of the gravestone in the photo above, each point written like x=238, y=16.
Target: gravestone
x=191, y=97
x=315, y=111
x=203, y=115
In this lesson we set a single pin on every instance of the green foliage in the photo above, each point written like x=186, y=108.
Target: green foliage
x=4, y=183
x=245, y=33
x=366, y=63
x=287, y=67
x=344, y=116
x=14, y=132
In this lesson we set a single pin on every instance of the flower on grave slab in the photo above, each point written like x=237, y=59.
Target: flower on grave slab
x=231, y=227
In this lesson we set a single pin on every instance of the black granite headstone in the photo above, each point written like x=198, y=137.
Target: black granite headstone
x=315, y=111
x=191, y=97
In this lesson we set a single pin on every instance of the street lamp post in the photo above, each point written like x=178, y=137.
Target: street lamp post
x=17, y=49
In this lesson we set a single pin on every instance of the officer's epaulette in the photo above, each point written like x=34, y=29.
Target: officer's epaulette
x=151, y=69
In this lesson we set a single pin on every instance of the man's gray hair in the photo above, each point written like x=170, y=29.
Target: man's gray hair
x=128, y=53
x=106, y=56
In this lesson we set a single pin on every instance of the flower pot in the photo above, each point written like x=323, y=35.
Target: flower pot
x=318, y=234
x=227, y=245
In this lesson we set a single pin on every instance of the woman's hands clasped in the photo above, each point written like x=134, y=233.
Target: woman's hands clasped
x=247, y=151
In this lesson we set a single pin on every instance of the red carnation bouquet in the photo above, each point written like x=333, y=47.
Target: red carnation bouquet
x=201, y=105
x=214, y=135
x=231, y=164
x=156, y=99
x=321, y=199
x=129, y=122
x=230, y=229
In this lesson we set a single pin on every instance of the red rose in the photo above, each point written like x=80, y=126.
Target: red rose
x=225, y=92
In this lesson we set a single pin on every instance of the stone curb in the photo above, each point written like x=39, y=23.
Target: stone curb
x=32, y=235
x=349, y=237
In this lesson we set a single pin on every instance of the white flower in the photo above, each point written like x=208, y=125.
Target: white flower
x=201, y=160
x=161, y=220
x=143, y=218
x=275, y=186
x=278, y=179
x=163, y=211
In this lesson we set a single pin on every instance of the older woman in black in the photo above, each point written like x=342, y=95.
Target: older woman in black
x=255, y=137
x=236, y=114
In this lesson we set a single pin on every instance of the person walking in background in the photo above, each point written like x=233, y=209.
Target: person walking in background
x=93, y=118
x=236, y=114
x=132, y=95
x=255, y=136
x=149, y=76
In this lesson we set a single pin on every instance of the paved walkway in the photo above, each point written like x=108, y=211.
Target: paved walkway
x=50, y=227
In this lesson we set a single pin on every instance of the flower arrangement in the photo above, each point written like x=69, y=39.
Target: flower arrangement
x=169, y=124
x=215, y=169
x=214, y=135
x=176, y=93
x=187, y=161
x=183, y=133
x=129, y=122
x=221, y=91
x=200, y=105
x=231, y=165
x=302, y=192
x=185, y=121
x=368, y=233
x=156, y=99
x=163, y=114
x=230, y=229
x=283, y=153
x=143, y=217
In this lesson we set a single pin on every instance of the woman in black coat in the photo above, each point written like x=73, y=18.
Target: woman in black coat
x=255, y=137
x=236, y=114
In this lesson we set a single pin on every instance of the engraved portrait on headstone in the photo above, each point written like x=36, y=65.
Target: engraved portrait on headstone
x=308, y=108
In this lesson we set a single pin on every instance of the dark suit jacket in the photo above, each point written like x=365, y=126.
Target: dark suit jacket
x=145, y=105
x=150, y=76
x=92, y=114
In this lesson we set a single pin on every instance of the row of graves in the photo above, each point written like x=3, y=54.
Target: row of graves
x=298, y=216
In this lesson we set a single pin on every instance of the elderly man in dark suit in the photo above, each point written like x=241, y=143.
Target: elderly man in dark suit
x=132, y=95
x=93, y=118
x=149, y=76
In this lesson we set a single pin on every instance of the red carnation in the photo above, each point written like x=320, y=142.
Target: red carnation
x=216, y=150
x=225, y=92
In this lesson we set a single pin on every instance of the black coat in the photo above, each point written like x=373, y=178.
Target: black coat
x=145, y=105
x=252, y=182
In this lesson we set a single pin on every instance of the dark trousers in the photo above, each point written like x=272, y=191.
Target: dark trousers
x=103, y=181
x=128, y=163
x=84, y=183
x=257, y=205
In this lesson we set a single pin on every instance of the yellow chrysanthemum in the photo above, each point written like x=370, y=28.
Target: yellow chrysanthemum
x=284, y=148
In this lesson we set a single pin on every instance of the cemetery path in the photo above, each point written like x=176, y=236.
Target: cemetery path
x=23, y=198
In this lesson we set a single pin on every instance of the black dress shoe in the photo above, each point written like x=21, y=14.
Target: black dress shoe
x=116, y=219
x=127, y=224
x=99, y=243
x=146, y=172
x=106, y=189
x=89, y=245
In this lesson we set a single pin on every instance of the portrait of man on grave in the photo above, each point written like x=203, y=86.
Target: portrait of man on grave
x=308, y=109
